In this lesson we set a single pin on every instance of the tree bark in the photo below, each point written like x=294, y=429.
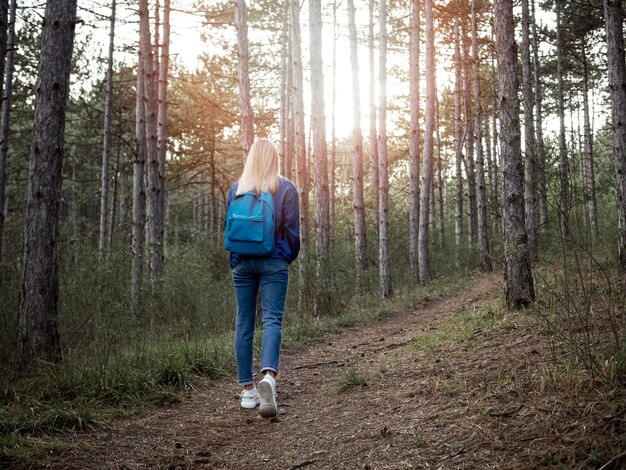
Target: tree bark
x=38, y=337
x=470, y=165
x=243, y=58
x=529, y=134
x=7, y=43
x=360, y=247
x=589, y=184
x=563, y=160
x=427, y=162
x=374, y=177
x=414, y=142
x=106, y=147
x=440, y=183
x=322, y=305
x=617, y=84
x=333, y=138
x=300, y=153
x=483, y=235
x=518, y=280
x=458, y=134
x=284, y=101
x=383, y=183
x=540, y=162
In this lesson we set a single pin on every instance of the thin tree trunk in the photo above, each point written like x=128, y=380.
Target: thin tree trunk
x=7, y=95
x=300, y=154
x=284, y=106
x=589, y=183
x=470, y=165
x=333, y=138
x=540, y=162
x=104, y=183
x=483, y=235
x=427, y=162
x=360, y=247
x=517, y=276
x=617, y=84
x=458, y=135
x=212, y=186
x=383, y=183
x=243, y=58
x=38, y=337
x=414, y=142
x=529, y=135
x=139, y=189
x=374, y=177
x=563, y=160
x=440, y=191
x=116, y=184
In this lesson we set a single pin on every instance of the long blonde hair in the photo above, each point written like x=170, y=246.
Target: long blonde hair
x=260, y=173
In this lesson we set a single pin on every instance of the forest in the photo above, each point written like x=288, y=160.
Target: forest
x=459, y=298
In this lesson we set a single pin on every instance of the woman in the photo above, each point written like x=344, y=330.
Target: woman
x=270, y=273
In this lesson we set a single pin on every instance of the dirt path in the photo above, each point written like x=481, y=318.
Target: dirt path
x=413, y=413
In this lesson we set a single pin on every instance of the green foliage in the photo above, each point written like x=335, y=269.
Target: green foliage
x=351, y=380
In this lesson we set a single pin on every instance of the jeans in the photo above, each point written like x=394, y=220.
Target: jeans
x=272, y=276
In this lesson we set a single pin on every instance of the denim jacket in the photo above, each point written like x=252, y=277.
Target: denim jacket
x=287, y=222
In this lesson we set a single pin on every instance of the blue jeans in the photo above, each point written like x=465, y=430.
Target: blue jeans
x=272, y=276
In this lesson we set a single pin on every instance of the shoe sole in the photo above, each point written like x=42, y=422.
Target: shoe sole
x=268, y=401
x=250, y=406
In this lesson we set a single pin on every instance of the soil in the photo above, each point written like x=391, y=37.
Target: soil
x=484, y=403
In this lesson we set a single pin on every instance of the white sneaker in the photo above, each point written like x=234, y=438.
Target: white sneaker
x=249, y=399
x=267, y=392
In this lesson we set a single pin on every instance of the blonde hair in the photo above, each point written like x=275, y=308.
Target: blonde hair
x=260, y=172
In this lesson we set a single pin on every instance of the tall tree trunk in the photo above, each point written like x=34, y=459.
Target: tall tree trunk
x=617, y=84
x=106, y=147
x=154, y=216
x=529, y=134
x=589, y=183
x=318, y=128
x=540, y=162
x=440, y=191
x=116, y=184
x=563, y=160
x=38, y=337
x=212, y=187
x=360, y=247
x=518, y=279
x=470, y=165
x=333, y=137
x=243, y=57
x=427, y=162
x=458, y=134
x=300, y=153
x=162, y=130
x=7, y=43
x=483, y=235
x=383, y=183
x=139, y=188
x=414, y=142
x=284, y=100
x=374, y=177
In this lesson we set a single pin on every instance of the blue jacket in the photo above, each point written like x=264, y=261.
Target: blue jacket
x=287, y=211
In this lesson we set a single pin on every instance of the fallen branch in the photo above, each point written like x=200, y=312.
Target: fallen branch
x=507, y=413
x=315, y=365
x=303, y=464
x=613, y=460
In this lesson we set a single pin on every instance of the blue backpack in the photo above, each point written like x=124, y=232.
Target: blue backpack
x=250, y=224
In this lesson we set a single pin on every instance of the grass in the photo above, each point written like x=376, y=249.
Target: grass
x=352, y=380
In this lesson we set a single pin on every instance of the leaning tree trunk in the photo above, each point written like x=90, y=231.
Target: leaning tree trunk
x=139, y=188
x=517, y=276
x=589, y=183
x=300, y=153
x=154, y=216
x=414, y=142
x=360, y=247
x=38, y=337
x=162, y=129
x=427, y=162
x=106, y=147
x=374, y=177
x=458, y=135
x=483, y=236
x=617, y=84
x=540, y=163
x=529, y=134
x=322, y=303
x=383, y=183
x=247, y=118
x=8, y=43
x=563, y=160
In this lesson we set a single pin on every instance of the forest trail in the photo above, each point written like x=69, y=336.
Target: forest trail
x=413, y=412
